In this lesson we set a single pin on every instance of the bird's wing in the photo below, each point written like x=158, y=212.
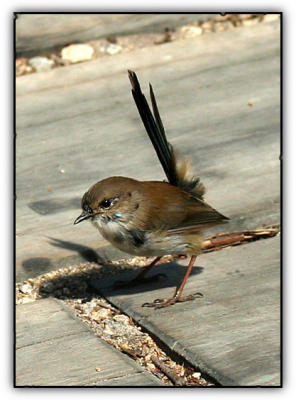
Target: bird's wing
x=174, y=210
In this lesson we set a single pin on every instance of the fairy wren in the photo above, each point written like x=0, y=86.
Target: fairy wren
x=153, y=218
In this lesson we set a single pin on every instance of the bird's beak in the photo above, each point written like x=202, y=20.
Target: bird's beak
x=82, y=217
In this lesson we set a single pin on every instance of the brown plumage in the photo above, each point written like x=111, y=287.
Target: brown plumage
x=153, y=218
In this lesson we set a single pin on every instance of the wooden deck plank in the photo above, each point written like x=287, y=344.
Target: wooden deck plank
x=40, y=32
x=233, y=332
x=78, y=124
x=55, y=349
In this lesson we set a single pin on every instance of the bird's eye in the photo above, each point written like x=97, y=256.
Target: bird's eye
x=106, y=203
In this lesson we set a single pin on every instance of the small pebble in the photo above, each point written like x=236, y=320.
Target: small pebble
x=245, y=16
x=77, y=52
x=108, y=331
x=25, y=300
x=192, y=31
x=271, y=17
x=122, y=318
x=111, y=48
x=26, y=288
x=208, y=26
x=100, y=314
x=219, y=27
x=22, y=67
x=41, y=64
x=250, y=22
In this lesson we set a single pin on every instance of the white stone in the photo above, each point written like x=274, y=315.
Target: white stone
x=121, y=318
x=271, y=17
x=192, y=31
x=41, y=64
x=26, y=288
x=111, y=48
x=77, y=53
x=250, y=22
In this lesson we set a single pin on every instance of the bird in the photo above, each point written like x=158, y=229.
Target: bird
x=153, y=218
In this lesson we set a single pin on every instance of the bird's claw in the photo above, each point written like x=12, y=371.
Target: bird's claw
x=161, y=303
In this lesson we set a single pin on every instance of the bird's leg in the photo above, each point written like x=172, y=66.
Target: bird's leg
x=160, y=303
x=140, y=277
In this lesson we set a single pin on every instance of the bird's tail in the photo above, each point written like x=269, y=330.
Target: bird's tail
x=178, y=171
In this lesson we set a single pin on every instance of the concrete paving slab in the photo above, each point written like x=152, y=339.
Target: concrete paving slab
x=219, y=97
x=53, y=348
x=39, y=32
x=233, y=332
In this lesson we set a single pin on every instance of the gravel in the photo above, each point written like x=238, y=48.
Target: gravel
x=71, y=286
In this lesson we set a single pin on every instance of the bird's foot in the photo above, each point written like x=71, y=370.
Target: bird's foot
x=137, y=281
x=161, y=303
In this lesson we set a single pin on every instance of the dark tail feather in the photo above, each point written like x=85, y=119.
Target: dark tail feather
x=156, y=113
x=155, y=129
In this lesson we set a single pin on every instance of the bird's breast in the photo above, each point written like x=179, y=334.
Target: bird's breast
x=136, y=242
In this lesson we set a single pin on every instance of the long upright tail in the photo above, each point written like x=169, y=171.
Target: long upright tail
x=178, y=172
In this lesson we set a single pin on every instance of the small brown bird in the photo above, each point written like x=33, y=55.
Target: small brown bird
x=151, y=218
